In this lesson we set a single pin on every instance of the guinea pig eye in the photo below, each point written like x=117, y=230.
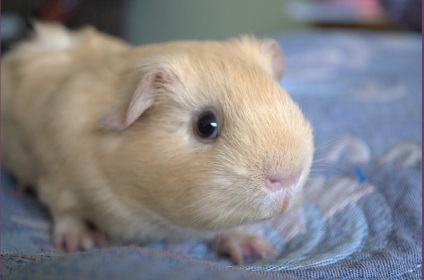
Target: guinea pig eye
x=207, y=126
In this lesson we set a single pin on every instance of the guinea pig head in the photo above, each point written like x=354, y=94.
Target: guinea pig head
x=209, y=139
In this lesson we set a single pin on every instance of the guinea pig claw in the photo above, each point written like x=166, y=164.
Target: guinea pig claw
x=239, y=246
x=71, y=243
x=65, y=243
x=100, y=239
x=93, y=239
x=73, y=237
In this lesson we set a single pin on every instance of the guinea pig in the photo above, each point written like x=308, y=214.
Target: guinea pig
x=173, y=141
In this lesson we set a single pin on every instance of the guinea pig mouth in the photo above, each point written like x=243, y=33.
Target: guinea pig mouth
x=268, y=207
x=282, y=207
x=279, y=203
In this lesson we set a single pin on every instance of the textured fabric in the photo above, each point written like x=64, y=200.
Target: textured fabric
x=361, y=216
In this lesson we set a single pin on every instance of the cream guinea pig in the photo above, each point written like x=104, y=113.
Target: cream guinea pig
x=173, y=141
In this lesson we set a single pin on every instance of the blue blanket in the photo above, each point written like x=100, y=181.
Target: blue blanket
x=362, y=212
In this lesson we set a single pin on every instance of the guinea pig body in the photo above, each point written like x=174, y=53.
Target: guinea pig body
x=171, y=141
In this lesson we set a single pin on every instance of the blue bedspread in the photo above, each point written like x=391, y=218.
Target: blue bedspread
x=362, y=213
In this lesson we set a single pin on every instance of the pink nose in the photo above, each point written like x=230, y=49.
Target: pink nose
x=276, y=182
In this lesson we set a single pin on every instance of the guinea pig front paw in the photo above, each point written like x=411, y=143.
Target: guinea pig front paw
x=239, y=246
x=72, y=235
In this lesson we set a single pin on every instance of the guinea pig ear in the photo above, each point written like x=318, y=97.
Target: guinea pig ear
x=270, y=47
x=143, y=97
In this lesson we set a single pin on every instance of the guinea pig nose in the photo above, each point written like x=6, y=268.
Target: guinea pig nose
x=277, y=182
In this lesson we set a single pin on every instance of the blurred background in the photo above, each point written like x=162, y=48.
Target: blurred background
x=146, y=21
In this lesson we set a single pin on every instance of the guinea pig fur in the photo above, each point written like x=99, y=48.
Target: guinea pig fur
x=173, y=141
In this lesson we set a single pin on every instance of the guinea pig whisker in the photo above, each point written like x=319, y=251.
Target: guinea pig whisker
x=321, y=160
x=200, y=216
x=221, y=221
x=206, y=199
x=334, y=170
x=328, y=144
